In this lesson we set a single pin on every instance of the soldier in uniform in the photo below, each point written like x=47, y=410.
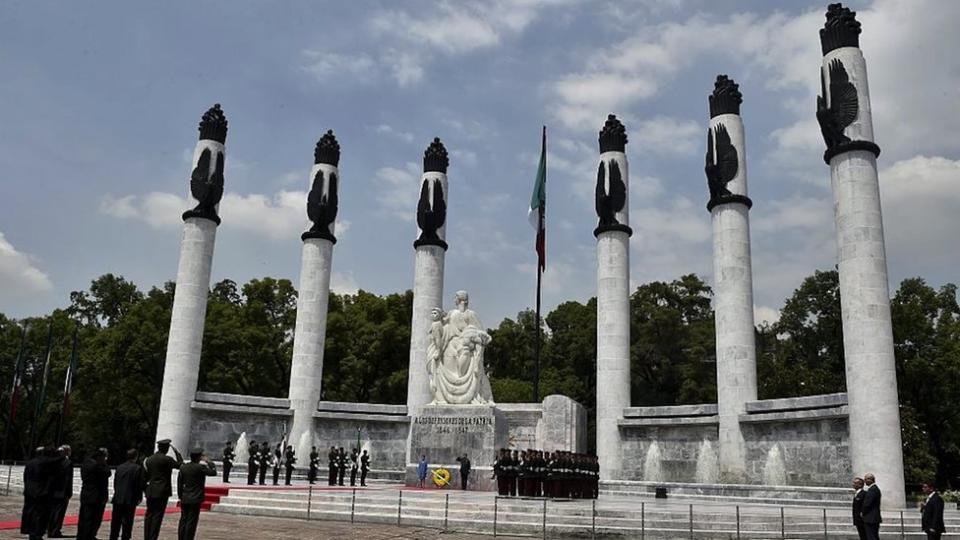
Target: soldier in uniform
x=252, y=463
x=596, y=476
x=277, y=463
x=289, y=459
x=549, y=482
x=522, y=471
x=228, y=457
x=341, y=465
x=264, y=462
x=498, y=473
x=364, y=468
x=354, y=467
x=332, y=466
x=314, y=465
x=514, y=471
x=190, y=486
x=159, y=466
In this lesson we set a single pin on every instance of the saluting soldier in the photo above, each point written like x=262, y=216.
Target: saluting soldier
x=264, y=462
x=341, y=465
x=159, y=467
x=332, y=466
x=228, y=457
x=253, y=462
x=191, y=485
x=354, y=467
x=364, y=468
x=289, y=459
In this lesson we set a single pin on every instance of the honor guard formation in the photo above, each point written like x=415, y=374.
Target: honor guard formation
x=535, y=473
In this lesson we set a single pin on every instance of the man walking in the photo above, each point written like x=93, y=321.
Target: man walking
x=858, y=508
x=932, y=513
x=95, y=476
x=128, y=484
x=871, y=507
x=61, y=490
x=159, y=467
x=228, y=457
x=191, y=485
x=364, y=468
x=422, y=470
x=464, y=471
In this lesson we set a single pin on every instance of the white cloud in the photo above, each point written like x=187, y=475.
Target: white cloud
x=19, y=277
x=385, y=129
x=398, y=190
x=339, y=66
x=764, y=314
x=343, y=283
x=665, y=135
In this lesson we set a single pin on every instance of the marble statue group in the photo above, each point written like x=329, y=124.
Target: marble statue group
x=455, y=366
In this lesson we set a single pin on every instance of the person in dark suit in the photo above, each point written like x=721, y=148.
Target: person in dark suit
x=364, y=468
x=870, y=512
x=931, y=513
x=464, y=470
x=289, y=460
x=253, y=462
x=191, y=486
x=228, y=457
x=36, y=491
x=94, y=493
x=159, y=467
x=61, y=490
x=858, y=508
x=128, y=484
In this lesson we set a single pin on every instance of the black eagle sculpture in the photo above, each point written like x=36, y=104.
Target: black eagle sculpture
x=843, y=108
x=322, y=207
x=721, y=166
x=206, y=187
x=610, y=200
x=431, y=214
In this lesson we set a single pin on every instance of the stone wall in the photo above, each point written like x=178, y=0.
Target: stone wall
x=801, y=441
x=218, y=418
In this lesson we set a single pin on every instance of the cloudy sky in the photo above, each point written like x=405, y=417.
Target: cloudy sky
x=99, y=104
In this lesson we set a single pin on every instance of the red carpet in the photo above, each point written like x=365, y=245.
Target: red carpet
x=72, y=520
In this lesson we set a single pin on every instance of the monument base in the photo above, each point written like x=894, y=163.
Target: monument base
x=442, y=433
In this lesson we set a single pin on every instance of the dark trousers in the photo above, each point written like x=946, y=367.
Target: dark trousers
x=873, y=531
x=121, y=521
x=363, y=477
x=276, y=475
x=933, y=536
x=36, y=516
x=341, y=469
x=861, y=531
x=353, y=477
x=513, y=486
x=189, y=518
x=463, y=480
x=502, y=486
x=332, y=479
x=289, y=474
x=263, y=475
x=251, y=475
x=153, y=519
x=58, y=510
x=91, y=516
x=226, y=472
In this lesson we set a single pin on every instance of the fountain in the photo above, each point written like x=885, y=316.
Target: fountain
x=775, y=469
x=707, y=464
x=241, y=450
x=304, y=445
x=652, y=468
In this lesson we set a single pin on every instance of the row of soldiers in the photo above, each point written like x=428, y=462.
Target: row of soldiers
x=261, y=459
x=535, y=473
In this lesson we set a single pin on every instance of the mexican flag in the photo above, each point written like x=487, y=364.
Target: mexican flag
x=538, y=203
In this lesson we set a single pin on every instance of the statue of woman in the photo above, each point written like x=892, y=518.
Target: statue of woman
x=455, y=356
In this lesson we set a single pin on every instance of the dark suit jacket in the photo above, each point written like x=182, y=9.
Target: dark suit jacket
x=61, y=481
x=464, y=466
x=858, y=507
x=193, y=480
x=932, y=515
x=128, y=484
x=96, y=481
x=37, y=475
x=871, y=505
x=159, y=467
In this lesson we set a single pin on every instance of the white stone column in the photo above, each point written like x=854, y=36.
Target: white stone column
x=729, y=208
x=613, y=295
x=306, y=368
x=875, y=442
x=182, y=364
x=430, y=248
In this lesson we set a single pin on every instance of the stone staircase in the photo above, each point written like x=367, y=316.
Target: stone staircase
x=627, y=516
x=734, y=493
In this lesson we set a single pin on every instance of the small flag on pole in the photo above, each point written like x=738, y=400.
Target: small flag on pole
x=358, y=440
x=68, y=387
x=18, y=377
x=538, y=203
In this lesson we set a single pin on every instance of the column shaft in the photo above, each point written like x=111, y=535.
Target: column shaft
x=613, y=346
x=427, y=294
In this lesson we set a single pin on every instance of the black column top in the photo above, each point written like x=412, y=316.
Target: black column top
x=435, y=157
x=726, y=97
x=327, y=150
x=842, y=29
x=613, y=136
x=213, y=125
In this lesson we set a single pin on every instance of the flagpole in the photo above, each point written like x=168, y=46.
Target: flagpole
x=67, y=388
x=540, y=230
x=43, y=387
x=13, y=391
